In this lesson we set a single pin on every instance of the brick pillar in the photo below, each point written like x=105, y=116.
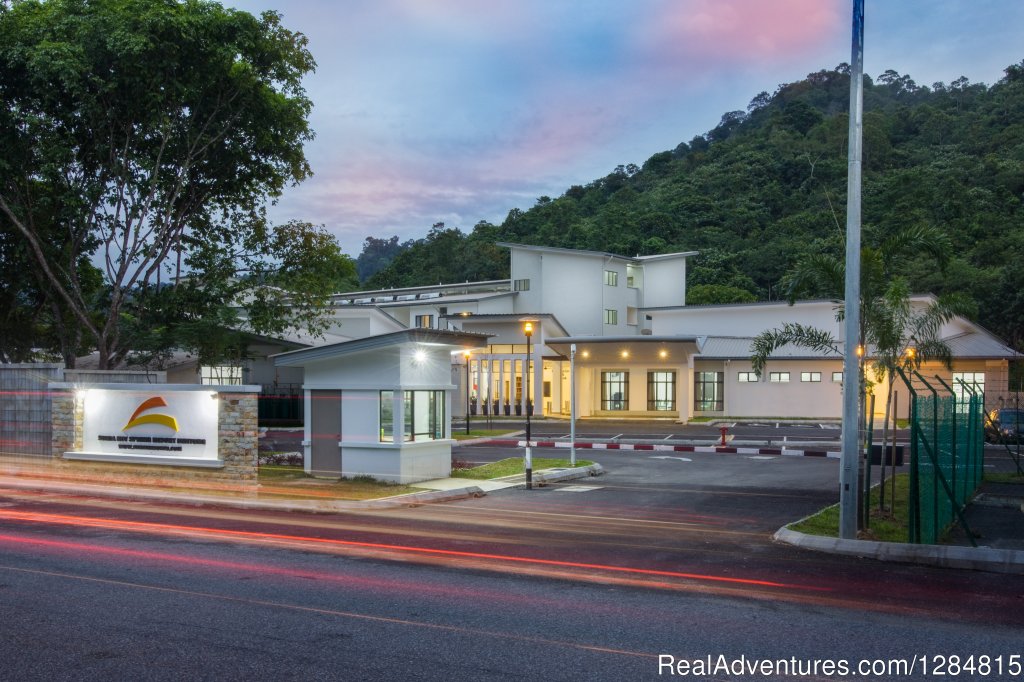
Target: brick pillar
x=67, y=414
x=237, y=435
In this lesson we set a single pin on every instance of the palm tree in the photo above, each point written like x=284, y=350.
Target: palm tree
x=889, y=323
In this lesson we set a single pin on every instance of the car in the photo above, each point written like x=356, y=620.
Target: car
x=1004, y=425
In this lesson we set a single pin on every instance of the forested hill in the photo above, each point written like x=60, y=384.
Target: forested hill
x=768, y=186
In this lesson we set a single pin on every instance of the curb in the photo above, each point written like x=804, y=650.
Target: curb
x=653, y=447
x=973, y=558
x=418, y=499
x=543, y=478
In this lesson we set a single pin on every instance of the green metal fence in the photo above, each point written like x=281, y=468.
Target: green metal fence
x=281, y=404
x=946, y=455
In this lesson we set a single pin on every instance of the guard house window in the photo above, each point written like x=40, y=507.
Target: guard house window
x=425, y=321
x=611, y=278
x=975, y=383
x=224, y=375
x=614, y=391
x=611, y=316
x=423, y=412
x=521, y=285
x=387, y=417
x=661, y=391
x=778, y=377
x=810, y=376
x=746, y=378
x=837, y=377
x=709, y=391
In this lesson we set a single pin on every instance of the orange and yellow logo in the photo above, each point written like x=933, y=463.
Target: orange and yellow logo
x=162, y=419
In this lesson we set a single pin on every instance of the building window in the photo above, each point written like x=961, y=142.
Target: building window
x=611, y=278
x=425, y=321
x=223, y=375
x=746, y=378
x=387, y=417
x=521, y=285
x=423, y=411
x=778, y=377
x=634, y=277
x=975, y=382
x=810, y=376
x=837, y=377
x=614, y=391
x=611, y=316
x=661, y=391
x=709, y=391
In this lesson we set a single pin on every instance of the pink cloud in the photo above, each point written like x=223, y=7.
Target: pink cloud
x=737, y=30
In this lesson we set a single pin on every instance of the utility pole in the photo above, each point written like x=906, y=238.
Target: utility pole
x=850, y=460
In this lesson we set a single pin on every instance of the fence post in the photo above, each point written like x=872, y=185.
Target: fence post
x=953, y=449
x=913, y=495
x=869, y=423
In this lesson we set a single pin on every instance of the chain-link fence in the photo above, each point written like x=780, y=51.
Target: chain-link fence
x=947, y=439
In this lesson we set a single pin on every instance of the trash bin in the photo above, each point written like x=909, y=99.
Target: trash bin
x=876, y=455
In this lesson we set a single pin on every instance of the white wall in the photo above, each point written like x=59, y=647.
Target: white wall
x=664, y=282
x=743, y=320
x=765, y=399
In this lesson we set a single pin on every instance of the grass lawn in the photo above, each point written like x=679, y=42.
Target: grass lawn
x=291, y=482
x=479, y=433
x=1004, y=478
x=512, y=466
x=888, y=526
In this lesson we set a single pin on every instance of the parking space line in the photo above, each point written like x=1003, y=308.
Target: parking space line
x=620, y=435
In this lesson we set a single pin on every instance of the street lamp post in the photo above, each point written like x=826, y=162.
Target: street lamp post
x=528, y=459
x=466, y=354
x=572, y=405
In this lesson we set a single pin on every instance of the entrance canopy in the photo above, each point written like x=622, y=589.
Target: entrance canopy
x=631, y=349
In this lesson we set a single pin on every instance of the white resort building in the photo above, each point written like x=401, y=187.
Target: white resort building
x=640, y=350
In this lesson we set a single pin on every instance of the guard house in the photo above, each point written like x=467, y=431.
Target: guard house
x=380, y=406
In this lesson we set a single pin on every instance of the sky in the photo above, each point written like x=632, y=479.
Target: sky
x=458, y=111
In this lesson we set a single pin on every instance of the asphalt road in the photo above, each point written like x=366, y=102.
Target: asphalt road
x=589, y=580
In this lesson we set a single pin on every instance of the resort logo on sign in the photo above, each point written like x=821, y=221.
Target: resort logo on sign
x=137, y=441
x=136, y=420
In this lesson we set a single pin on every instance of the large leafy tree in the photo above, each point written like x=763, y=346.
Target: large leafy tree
x=146, y=135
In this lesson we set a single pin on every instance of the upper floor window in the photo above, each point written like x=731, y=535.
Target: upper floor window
x=425, y=321
x=810, y=376
x=634, y=277
x=778, y=377
x=837, y=377
x=746, y=377
x=611, y=278
x=611, y=316
x=521, y=285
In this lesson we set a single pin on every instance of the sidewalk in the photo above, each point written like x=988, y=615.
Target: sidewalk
x=304, y=495
x=995, y=518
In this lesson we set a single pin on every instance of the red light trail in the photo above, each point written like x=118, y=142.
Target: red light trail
x=147, y=527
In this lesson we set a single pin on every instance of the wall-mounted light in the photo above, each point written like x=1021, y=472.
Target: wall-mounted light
x=625, y=354
x=585, y=354
x=419, y=356
x=663, y=354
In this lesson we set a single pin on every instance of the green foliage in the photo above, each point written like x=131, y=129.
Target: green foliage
x=446, y=255
x=702, y=294
x=146, y=135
